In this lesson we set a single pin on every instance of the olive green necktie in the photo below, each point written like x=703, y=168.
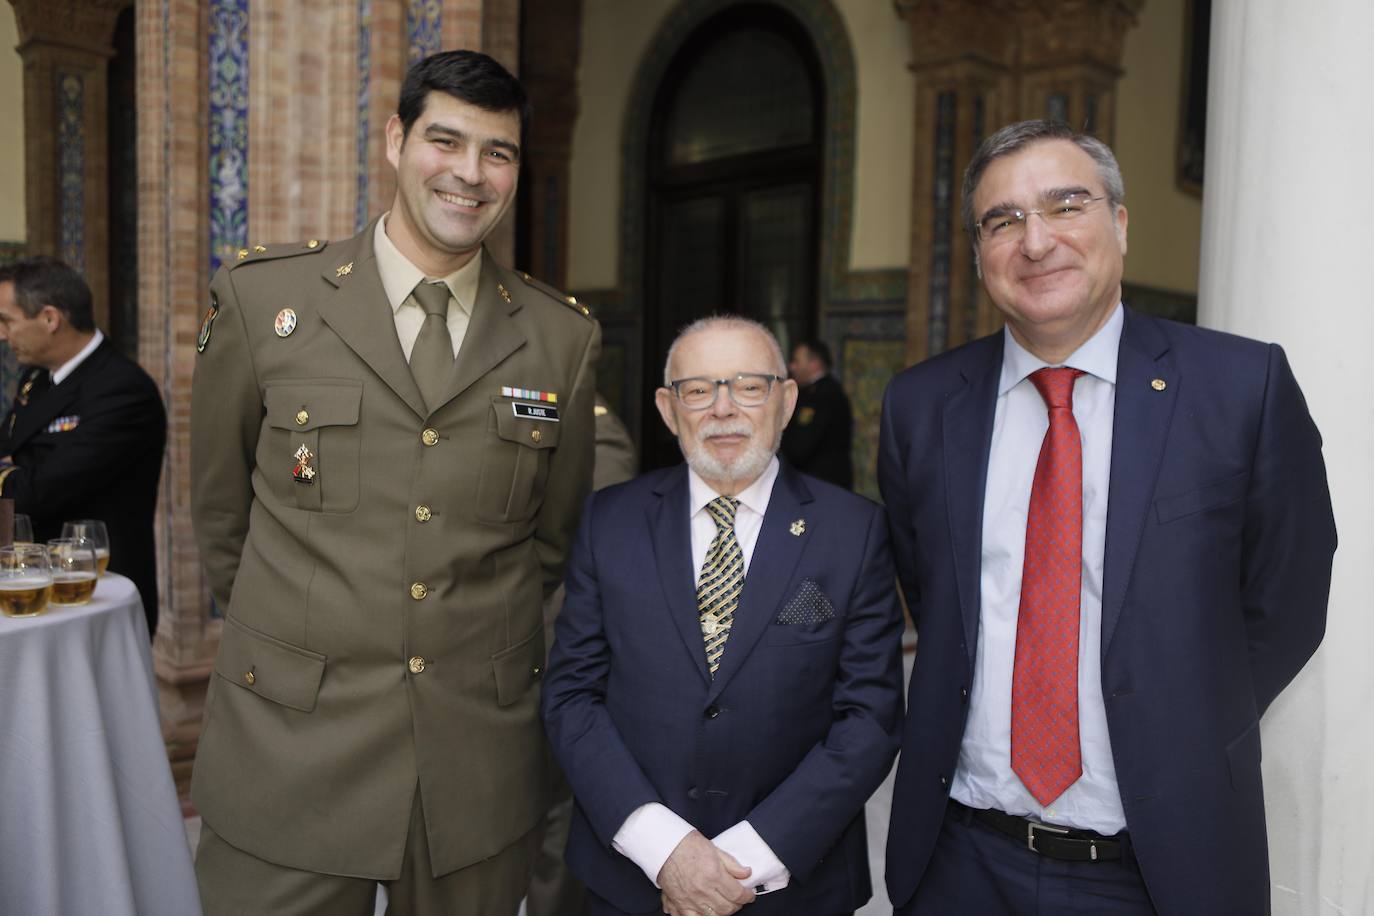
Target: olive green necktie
x=431, y=359
x=722, y=577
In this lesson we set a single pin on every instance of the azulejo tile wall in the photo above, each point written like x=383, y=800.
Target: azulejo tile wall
x=71, y=144
x=228, y=75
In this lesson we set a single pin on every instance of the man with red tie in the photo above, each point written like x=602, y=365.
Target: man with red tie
x=1115, y=538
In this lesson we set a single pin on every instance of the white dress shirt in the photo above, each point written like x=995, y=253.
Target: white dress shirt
x=399, y=277
x=651, y=832
x=984, y=778
x=70, y=365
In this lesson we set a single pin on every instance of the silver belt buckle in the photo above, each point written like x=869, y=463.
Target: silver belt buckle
x=1032, y=826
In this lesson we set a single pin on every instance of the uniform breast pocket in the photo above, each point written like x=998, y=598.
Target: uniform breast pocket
x=515, y=459
x=314, y=443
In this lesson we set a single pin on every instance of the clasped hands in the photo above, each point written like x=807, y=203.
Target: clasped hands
x=699, y=879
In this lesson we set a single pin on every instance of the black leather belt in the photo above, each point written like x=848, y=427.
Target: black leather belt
x=1067, y=843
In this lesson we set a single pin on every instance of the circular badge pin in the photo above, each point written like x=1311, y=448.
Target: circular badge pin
x=286, y=322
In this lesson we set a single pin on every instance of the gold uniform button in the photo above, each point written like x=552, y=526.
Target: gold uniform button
x=313, y=243
x=422, y=513
x=416, y=664
x=536, y=435
x=302, y=417
x=430, y=436
x=418, y=591
x=249, y=678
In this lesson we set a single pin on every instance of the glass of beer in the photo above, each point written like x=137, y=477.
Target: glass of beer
x=23, y=529
x=25, y=579
x=73, y=570
x=94, y=531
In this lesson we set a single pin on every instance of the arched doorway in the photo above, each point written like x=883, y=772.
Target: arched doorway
x=733, y=188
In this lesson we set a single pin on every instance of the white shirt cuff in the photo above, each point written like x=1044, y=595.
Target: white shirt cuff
x=744, y=843
x=649, y=836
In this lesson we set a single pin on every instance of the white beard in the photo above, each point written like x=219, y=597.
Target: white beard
x=746, y=466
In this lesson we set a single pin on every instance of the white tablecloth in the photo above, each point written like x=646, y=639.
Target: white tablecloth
x=89, y=819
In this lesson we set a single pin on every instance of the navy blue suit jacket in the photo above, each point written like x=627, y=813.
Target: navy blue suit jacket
x=795, y=731
x=1217, y=569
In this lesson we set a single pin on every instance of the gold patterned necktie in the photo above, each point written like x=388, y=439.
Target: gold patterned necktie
x=722, y=577
x=431, y=359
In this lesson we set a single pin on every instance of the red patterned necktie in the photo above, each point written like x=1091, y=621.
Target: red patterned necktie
x=1044, y=687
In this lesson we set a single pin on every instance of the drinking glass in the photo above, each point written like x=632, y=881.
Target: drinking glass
x=23, y=529
x=94, y=531
x=25, y=579
x=73, y=570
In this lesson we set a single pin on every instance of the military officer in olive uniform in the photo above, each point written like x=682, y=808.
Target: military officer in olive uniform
x=391, y=441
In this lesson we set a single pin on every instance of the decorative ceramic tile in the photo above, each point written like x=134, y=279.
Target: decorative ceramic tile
x=71, y=169
x=941, y=217
x=423, y=19
x=360, y=213
x=869, y=366
x=228, y=76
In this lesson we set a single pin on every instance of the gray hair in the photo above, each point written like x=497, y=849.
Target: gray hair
x=725, y=323
x=1015, y=137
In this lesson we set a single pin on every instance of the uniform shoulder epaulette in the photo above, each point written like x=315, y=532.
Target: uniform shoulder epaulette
x=570, y=301
x=260, y=253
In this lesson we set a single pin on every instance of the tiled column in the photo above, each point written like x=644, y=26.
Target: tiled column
x=1284, y=255
x=65, y=46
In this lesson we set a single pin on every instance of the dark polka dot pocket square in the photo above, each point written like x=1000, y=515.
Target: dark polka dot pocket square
x=808, y=606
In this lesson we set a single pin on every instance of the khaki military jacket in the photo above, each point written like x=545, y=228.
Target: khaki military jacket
x=380, y=567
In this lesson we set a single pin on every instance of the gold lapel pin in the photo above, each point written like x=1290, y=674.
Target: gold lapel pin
x=344, y=271
x=1158, y=384
x=505, y=293
x=259, y=249
x=798, y=527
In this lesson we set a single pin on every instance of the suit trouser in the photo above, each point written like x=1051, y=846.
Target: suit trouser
x=975, y=869
x=235, y=883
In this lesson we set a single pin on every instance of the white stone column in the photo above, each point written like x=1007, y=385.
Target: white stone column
x=1288, y=256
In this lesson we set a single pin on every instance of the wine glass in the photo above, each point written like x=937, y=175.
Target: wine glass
x=25, y=579
x=94, y=531
x=73, y=570
x=23, y=529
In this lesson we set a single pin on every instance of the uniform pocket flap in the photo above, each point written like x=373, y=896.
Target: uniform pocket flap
x=1207, y=496
x=527, y=431
x=517, y=667
x=274, y=670
x=306, y=405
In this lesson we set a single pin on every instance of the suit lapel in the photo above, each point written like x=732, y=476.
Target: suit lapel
x=672, y=536
x=359, y=313
x=54, y=400
x=968, y=417
x=771, y=566
x=1139, y=430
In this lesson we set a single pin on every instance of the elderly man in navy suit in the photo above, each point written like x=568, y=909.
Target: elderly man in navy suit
x=1115, y=538
x=725, y=688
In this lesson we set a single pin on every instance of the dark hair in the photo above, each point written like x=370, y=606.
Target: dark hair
x=1016, y=137
x=469, y=76
x=42, y=280
x=819, y=349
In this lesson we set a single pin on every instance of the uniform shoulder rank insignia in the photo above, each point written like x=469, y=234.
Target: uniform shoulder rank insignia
x=63, y=424
x=206, y=324
x=259, y=253
x=563, y=299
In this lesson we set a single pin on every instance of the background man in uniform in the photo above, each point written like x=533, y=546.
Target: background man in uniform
x=1115, y=538
x=85, y=435
x=391, y=438
x=754, y=704
x=819, y=439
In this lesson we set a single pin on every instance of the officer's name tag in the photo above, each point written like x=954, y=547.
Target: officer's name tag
x=535, y=411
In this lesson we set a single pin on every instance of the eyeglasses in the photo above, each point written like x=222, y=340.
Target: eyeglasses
x=748, y=389
x=998, y=225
